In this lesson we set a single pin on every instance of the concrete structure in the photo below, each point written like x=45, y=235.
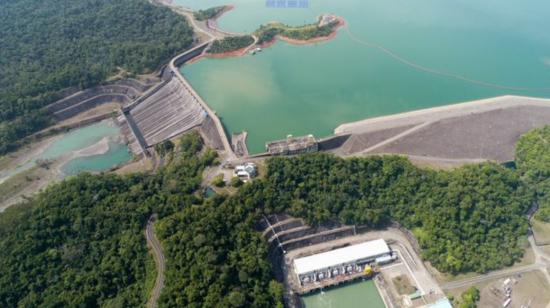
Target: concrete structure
x=293, y=145
x=246, y=171
x=342, y=261
x=122, y=92
x=442, y=303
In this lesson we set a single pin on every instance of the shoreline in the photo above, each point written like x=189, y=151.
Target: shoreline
x=243, y=51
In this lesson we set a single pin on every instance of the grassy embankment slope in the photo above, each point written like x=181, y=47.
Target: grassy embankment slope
x=50, y=45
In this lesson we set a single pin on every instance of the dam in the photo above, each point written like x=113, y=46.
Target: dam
x=168, y=112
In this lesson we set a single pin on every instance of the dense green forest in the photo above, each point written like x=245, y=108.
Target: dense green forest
x=202, y=15
x=79, y=243
x=50, y=45
x=267, y=33
x=231, y=43
x=533, y=162
x=468, y=219
x=82, y=243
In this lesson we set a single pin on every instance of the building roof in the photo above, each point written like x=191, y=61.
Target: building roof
x=340, y=256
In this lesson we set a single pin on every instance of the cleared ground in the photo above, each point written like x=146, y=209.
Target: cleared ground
x=530, y=288
x=541, y=230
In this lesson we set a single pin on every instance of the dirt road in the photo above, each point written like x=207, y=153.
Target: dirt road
x=156, y=248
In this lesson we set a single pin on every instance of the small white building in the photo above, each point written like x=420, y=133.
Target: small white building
x=351, y=259
x=246, y=171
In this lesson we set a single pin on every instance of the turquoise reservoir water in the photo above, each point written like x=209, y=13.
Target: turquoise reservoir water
x=360, y=294
x=399, y=55
x=79, y=139
x=116, y=155
x=76, y=140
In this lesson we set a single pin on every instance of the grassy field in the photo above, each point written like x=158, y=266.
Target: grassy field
x=17, y=183
x=541, y=230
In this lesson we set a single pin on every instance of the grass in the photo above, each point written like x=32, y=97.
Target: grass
x=541, y=230
x=19, y=182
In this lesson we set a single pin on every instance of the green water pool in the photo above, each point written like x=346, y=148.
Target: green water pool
x=76, y=140
x=116, y=155
x=299, y=90
x=360, y=294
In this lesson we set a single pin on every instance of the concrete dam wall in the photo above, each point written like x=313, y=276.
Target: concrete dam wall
x=169, y=111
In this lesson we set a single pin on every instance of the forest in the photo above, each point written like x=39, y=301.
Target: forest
x=230, y=44
x=267, y=33
x=467, y=219
x=213, y=12
x=533, y=163
x=81, y=242
x=50, y=45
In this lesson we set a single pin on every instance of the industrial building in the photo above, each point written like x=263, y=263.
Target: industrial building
x=293, y=145
x=342, y=261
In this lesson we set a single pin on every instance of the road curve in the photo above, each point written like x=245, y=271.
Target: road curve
x=154, y=244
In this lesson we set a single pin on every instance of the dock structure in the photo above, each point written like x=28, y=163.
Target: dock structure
x=293, y=145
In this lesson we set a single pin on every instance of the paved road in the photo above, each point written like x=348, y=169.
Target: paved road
x=153, y=242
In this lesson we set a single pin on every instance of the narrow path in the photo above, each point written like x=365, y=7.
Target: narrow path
x=492, y=275
x=153, y=242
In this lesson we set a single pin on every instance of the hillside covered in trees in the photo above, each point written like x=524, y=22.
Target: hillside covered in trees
x=81, y=242
x=533, y=162
x=468, y=219
x=50, y=45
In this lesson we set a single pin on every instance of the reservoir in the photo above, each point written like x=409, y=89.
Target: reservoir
x=359, y=294
x=393, y=56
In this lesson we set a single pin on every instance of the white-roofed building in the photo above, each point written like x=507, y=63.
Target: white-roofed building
x=351, y=259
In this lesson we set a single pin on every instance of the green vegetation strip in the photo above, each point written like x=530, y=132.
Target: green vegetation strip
x=230, y=44
x=533, y=163
x=267, y=33
x=210, y=13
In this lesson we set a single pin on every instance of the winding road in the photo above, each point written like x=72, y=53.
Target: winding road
x=153, y=242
